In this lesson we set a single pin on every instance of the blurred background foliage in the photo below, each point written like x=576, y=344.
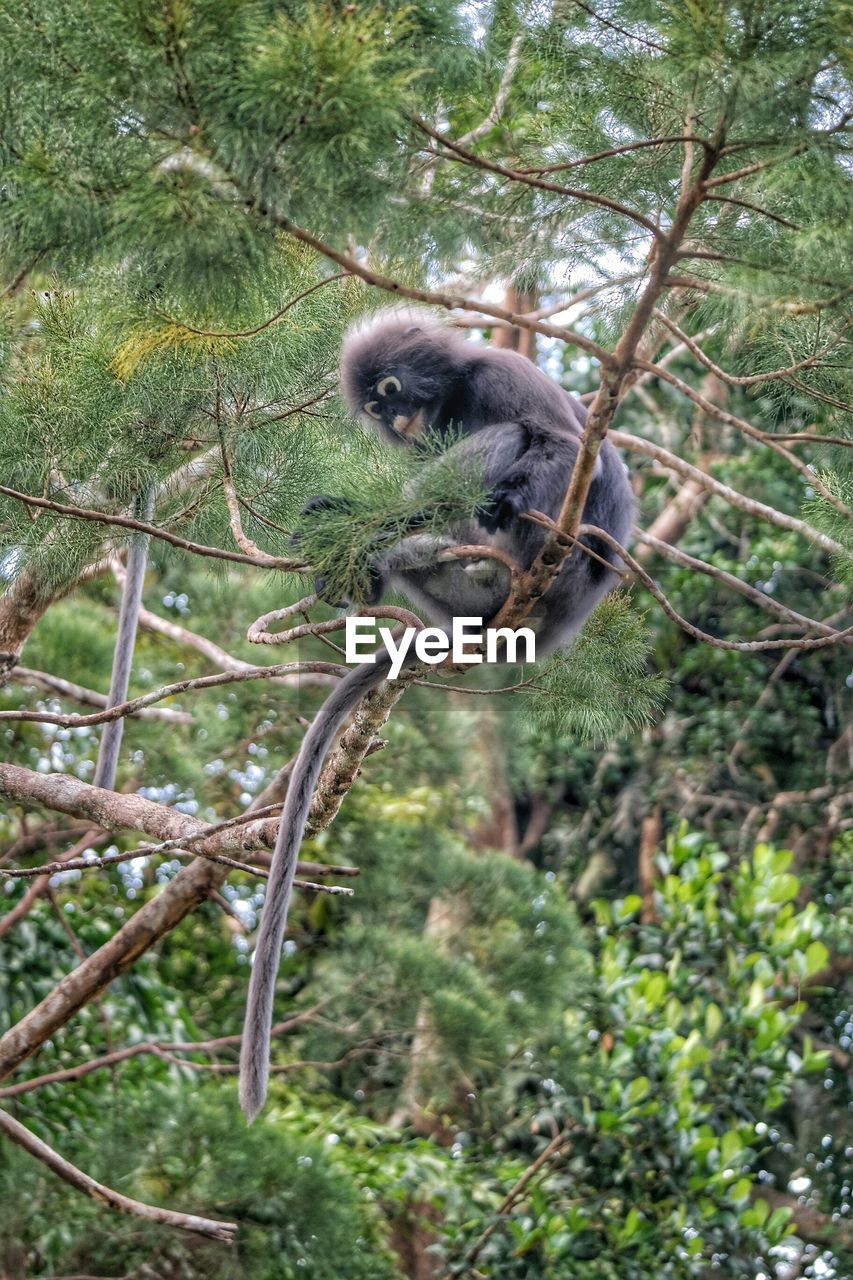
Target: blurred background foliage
x=606, y=925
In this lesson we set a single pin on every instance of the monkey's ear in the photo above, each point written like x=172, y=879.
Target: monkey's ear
x=415, y=328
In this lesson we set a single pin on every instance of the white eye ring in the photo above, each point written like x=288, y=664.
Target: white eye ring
x=387, y=386
x=372, y=408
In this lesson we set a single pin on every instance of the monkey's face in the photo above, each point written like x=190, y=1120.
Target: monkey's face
x=394, y=410
x=397, y=380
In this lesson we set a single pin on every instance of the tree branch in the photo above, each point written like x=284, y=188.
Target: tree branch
x=449, y=301
x=181, y=686
x=126, y=522
x=516, y=175
x=209, y=1227
x=73, y=1074
x=90, y=697
x=497, y=108
x=743, y=646
x=734, y=498
x=760, y=598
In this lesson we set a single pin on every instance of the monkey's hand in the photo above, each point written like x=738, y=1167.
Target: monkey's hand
x=372, y=595
x=504, y=505
x=323, y=502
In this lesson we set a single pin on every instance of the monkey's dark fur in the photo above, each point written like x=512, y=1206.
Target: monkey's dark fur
x=407, y=376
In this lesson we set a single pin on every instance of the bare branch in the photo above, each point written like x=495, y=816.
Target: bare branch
x=735, y=499
x=91, y=838
x=460, y=153
x=742, y=646
x=755, y=208
x=622, y=31
x=150, y=621
x=555, y=1148
x=619, y=151
x=232, y=502
x=791, y=306
x=174, y=847
x=115, y=811
x=760, y=598
x=90, y=697
x=180, y=686
x=72, y=1074
x=126, y=522
x=209, y=1227
x=763, y=437
x=258, y=633
x=752, y=380
x=748, y=170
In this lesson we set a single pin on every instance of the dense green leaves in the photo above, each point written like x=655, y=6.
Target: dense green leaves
x=160, y=328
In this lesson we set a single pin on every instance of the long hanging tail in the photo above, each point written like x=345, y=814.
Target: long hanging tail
x=255, y=1051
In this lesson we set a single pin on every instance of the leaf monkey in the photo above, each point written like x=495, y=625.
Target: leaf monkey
x=409, y=378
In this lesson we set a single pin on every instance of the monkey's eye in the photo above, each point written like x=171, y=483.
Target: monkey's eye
x=372, y=408
x=388, y=386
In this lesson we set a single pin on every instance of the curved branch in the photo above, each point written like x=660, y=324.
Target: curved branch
x=497, y=108
x=169, y=691
x=619, y=151
x=209, y=1227
x=755, y=208
x=90, y=697
x=449, y=301
x=251, y=333
x=731, y=420
x=764, y=601
x=733, y=379
x=68, y=1074
x=742, y=646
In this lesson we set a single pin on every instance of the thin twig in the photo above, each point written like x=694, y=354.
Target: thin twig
x=755, y=208
x=742, y=646
x=617, y=151
x=554, y=1148
x=170, y=690
x=126, y=522
x=250, y=333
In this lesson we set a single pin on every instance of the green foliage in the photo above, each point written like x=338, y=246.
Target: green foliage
x=299, y=1213
x=691, y=1041
x=400, y=491
x=160, y=320
x=602, y=686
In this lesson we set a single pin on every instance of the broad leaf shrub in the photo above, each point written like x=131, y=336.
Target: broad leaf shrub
x=691, y=1048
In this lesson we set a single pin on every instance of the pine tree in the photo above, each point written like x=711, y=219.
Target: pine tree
x=197, y=199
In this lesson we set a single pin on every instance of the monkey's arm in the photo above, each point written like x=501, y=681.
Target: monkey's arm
x=536, y=479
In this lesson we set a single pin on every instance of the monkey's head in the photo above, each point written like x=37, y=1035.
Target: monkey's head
x=399, y=371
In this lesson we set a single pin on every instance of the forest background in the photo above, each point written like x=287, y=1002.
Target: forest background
x=587, y=1012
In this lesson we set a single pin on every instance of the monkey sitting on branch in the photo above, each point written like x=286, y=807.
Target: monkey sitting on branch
x=413, y=379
